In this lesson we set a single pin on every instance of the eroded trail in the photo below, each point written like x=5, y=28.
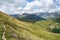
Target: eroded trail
x=3, y=36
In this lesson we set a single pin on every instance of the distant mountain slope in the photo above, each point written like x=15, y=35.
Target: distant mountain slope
x=13, y=29
x=32, y=17
x=45, y=15
x=28, y=17
x=57, y=19
x=48, y=15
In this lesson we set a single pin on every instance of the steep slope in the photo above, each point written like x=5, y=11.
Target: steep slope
x=13, y=29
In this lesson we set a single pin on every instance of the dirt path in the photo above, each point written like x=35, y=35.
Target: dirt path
x=3, y=36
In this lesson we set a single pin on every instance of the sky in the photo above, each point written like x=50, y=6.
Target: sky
x=29, y=6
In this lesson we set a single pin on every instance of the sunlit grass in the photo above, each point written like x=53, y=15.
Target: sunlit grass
x=20, y=30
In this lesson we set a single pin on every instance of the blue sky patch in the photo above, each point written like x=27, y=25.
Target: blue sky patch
x=57, y=2
x=29, y=0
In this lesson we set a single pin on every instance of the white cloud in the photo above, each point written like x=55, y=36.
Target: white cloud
x=3, y=8
x=55, y=10
x=43, y=6
x=11, y=7
x=32, y=4
x=21, y=6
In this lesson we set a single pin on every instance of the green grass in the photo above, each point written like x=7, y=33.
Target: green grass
x=20, y=30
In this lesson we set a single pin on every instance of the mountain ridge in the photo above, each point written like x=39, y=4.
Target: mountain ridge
x=45, y=15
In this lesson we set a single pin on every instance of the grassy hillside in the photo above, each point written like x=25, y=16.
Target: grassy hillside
x=13, y=29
